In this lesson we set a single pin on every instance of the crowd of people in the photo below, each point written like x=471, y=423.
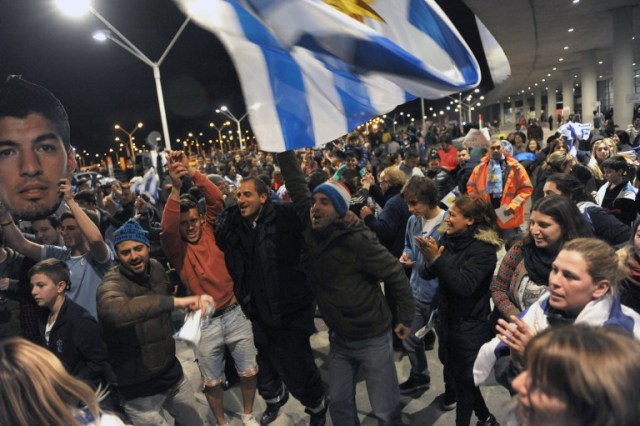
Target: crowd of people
x=390, y=238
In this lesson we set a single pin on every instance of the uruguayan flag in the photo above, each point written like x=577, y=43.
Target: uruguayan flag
x=312, y=70
x=147, y=184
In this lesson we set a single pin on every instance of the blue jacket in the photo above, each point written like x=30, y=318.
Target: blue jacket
x=391, y=221
x=424, y=290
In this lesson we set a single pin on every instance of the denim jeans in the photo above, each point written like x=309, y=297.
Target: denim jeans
x=415, y=345
x=232, y=329
x=179, y=401
x=374, y=356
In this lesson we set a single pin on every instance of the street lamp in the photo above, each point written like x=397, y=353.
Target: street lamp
x=469, y=105
x=219, y=130
x=225, y=111
x=78, y=8
x=130, y=135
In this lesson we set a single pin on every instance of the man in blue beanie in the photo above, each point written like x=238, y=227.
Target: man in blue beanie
x=347, y=264
x=134, y=312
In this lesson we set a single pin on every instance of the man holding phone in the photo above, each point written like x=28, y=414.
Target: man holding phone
x=423, y=228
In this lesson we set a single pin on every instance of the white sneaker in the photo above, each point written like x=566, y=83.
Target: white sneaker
x=249, y=420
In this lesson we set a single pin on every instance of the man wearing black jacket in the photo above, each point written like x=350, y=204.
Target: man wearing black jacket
x=263, y=246
x=346, y=266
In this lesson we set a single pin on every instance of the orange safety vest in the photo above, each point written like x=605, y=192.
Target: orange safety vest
x=516, y=190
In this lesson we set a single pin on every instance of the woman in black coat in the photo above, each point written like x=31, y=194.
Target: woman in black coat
x=464, y=264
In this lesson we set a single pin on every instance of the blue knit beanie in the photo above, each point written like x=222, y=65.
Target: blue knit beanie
x=130, y=231
x=338, y=193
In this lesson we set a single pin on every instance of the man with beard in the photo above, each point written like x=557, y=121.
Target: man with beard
x=262, y=242
x=35, y=150
x=134, y=312
x=188, y=240
x=346, y=267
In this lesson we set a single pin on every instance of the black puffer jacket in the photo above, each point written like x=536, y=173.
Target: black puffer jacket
x=464, y=271
x=268, y=263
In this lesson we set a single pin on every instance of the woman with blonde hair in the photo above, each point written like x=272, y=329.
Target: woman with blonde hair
x=583, y=289
x=35, y=389
x=600, y=151
x=580, y=375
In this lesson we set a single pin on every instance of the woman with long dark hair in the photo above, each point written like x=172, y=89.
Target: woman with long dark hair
x=524, y=272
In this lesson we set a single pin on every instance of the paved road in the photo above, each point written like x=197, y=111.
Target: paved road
x=421, y=411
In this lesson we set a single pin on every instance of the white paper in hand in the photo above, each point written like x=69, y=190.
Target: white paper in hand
x=503, y=217
x=190, y=331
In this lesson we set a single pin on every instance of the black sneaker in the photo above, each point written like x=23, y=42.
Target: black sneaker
x=415, y=383
x=448, y=401
x=272, y=411
x=491, y=421
x=319, y=418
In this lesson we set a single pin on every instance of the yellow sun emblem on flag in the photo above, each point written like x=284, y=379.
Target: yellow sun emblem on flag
x=356, y=9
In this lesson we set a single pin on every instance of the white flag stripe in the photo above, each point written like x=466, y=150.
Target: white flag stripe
x=329, y=121
x=311, y=73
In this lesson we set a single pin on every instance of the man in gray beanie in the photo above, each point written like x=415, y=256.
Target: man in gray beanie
x=347, y=264
x=134, y=312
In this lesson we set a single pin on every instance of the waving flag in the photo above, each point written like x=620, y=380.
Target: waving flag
x=313, y=70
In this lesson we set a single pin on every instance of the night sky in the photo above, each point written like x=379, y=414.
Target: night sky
x=101, y=84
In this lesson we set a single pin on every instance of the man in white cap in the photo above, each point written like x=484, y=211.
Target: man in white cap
x=347, y=264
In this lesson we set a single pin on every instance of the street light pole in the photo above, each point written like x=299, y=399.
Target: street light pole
x=130, y=135
x=225, y=111
x=219, y=130
x=469, y=106
x=76, y=8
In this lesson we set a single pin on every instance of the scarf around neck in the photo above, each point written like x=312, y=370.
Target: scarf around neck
x=538, y=262
x=634, y=270
x=494, y=178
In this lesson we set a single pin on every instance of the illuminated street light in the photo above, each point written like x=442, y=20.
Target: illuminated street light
x=130, y=135
x=219, y=130
x=78, y=8
x=225, y=111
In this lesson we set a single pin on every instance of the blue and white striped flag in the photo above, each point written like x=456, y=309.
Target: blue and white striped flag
x=147, y=184
x=313, y=70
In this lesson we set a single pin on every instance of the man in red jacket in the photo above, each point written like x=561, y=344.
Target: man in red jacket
x=191, y=247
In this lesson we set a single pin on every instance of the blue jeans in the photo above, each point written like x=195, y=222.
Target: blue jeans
x=374, y=356
x=178, y=401
x=414, y=345
x=232, y=329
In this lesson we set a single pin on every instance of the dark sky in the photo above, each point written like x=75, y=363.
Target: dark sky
x=101, y=84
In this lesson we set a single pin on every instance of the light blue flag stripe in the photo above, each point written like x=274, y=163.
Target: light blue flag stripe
x=367, y=52
x=287, y=84
x=352, y=75
x=354, y=96
x=424, y=19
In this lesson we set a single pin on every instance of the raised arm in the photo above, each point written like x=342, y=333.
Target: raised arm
x=296, y=183
x=97, y=246
x=14, y=238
